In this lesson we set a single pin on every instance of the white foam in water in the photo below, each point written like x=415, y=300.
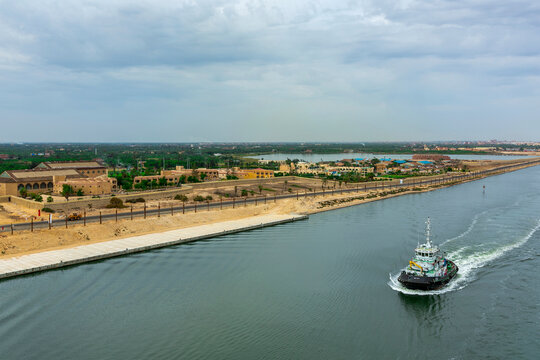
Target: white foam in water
x=475, y=220
x=469, y=229
x=467, y=266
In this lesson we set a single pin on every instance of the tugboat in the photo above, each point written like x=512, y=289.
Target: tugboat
x=429, y=269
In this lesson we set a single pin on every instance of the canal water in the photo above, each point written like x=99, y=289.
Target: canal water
x=323, y=288
x=341, y=156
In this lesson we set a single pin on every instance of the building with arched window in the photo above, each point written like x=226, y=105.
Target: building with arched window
x=34, y=181
x=90, y=177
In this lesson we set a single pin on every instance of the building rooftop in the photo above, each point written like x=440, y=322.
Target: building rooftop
x=38, y=174
x=70, y=164
x=86, y=180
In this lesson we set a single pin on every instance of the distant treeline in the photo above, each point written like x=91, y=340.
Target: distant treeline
x=149, y=159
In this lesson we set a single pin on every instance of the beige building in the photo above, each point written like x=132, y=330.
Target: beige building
x=89, y=186
x=309, y=168
x=43, y=178
x=254, y=173
x=36, y=180
x=286, y=168
x=174, y=176
x=86, y=168
x=382, y=167
x=354, y=169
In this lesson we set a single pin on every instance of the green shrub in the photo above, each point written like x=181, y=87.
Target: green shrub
x=50, y=199
x=116, y=203
x=244, y=192
x=38, y=198
x=209, y=198
x=198, y=198
x=46, y=209
x=181, y=197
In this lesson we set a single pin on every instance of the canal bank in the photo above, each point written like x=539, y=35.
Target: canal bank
x=28, y=242
x=48, y=260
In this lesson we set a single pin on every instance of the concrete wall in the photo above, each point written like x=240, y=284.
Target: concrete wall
x=75, y=205
x=4, y=199
x=211, y=184
x=8, y=189
x=29, y=204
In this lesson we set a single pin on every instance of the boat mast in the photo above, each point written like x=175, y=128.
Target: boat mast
x=428, y=232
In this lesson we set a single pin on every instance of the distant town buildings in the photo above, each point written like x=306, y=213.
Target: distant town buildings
x=203, y=174
x=91, y=177
x=254, y=173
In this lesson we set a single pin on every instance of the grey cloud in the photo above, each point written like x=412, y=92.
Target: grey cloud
x=251, y=64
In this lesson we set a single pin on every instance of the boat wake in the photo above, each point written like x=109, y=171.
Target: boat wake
x=469, y=229
x=468, y=262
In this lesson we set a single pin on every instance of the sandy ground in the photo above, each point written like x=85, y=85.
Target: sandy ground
x=10, y=213
x=478, y=165
x=25, y=242
x=521, y=153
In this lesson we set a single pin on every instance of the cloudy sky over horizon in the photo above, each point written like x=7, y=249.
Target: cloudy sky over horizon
x=236, y=70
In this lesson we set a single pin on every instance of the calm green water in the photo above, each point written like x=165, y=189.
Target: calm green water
x=317, y=289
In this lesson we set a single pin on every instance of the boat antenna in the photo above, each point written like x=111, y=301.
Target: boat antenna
x=428, y=232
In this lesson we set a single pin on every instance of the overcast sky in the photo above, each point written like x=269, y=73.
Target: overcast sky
x=287, y=70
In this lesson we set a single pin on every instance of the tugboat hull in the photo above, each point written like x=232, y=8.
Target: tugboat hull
x=415, y=282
